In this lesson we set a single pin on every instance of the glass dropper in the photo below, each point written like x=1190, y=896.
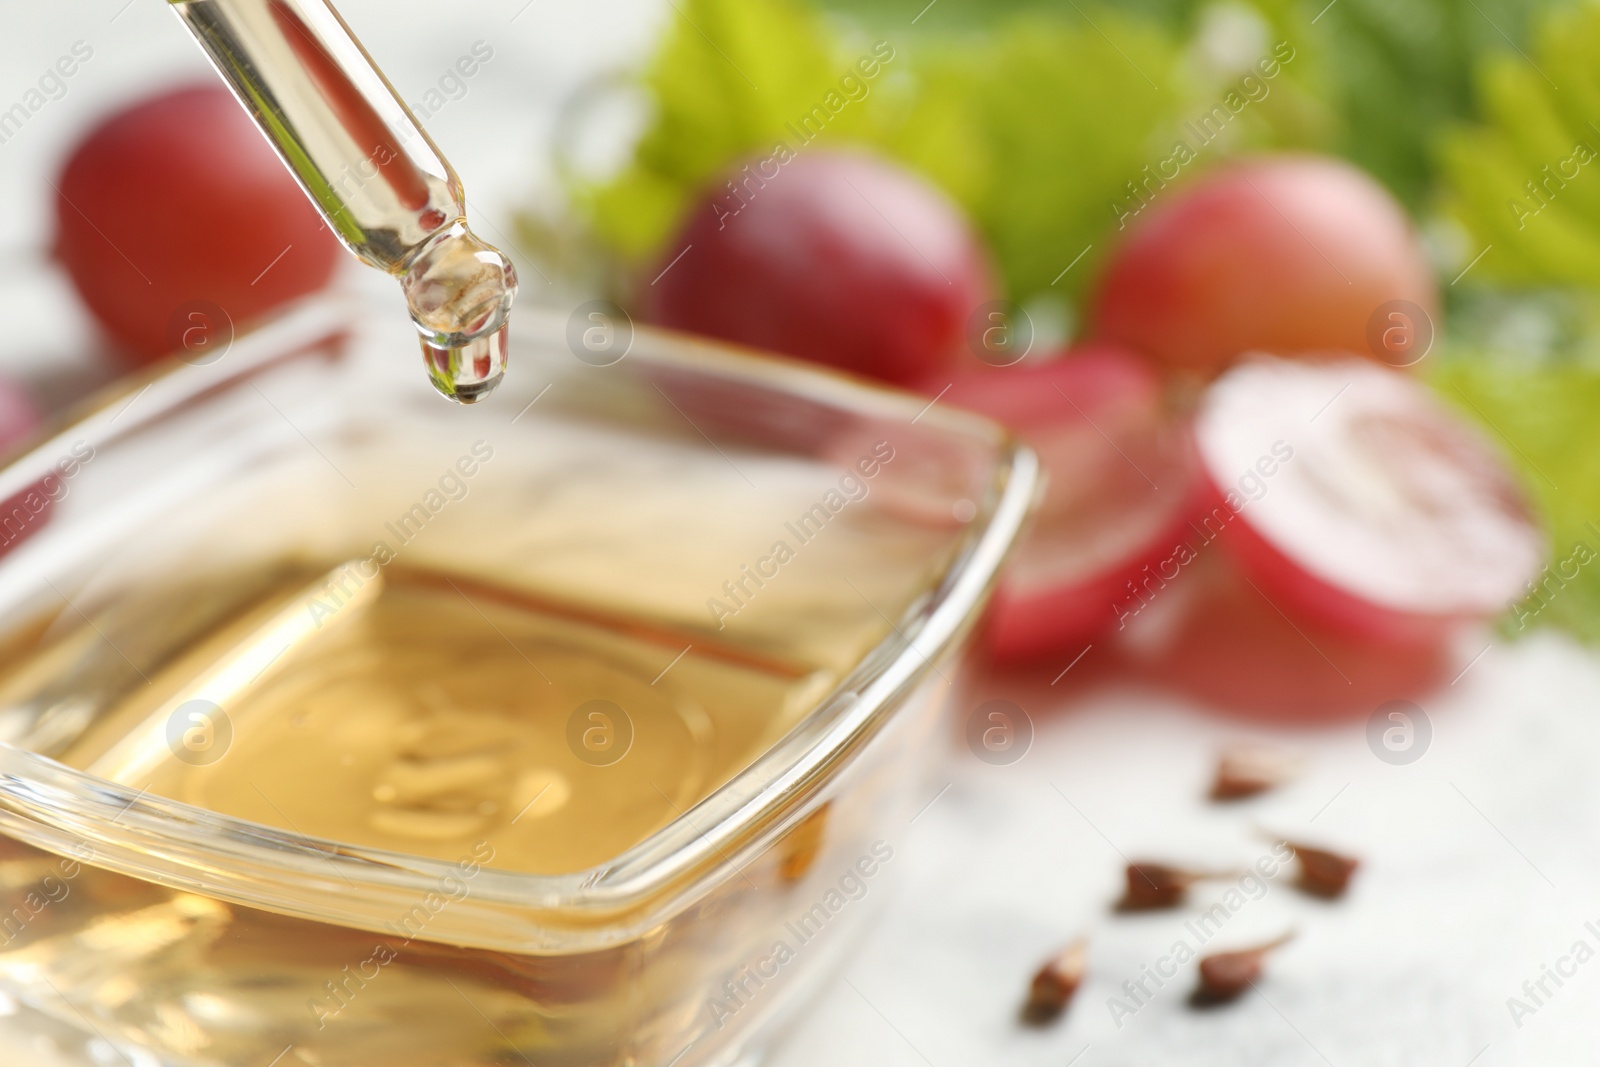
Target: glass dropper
x=372, y=172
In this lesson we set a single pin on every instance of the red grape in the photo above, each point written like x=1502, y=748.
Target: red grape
x=1121, y=487
x=838, y=258
x=177, y=204
x=1289, y=254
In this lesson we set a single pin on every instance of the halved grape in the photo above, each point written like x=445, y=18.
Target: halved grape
x=1121, y=485
x=1234, y=647
x=1349, y=492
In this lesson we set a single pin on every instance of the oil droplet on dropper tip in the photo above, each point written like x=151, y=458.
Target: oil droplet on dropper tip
x=467, y=372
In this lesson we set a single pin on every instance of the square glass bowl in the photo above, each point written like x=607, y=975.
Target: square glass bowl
x=340, y=726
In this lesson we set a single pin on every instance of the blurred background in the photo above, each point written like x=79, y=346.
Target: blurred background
x=1152, y=185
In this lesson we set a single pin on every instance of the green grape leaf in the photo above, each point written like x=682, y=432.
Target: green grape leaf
x=730, y=78
x=1543, y=418
x=1379, y=78
x=1058, y=117
x=1035, y=130
x=1525, y=181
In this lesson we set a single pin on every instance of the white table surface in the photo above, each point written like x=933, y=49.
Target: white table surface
x=1479, y=868
x=1481, y=865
